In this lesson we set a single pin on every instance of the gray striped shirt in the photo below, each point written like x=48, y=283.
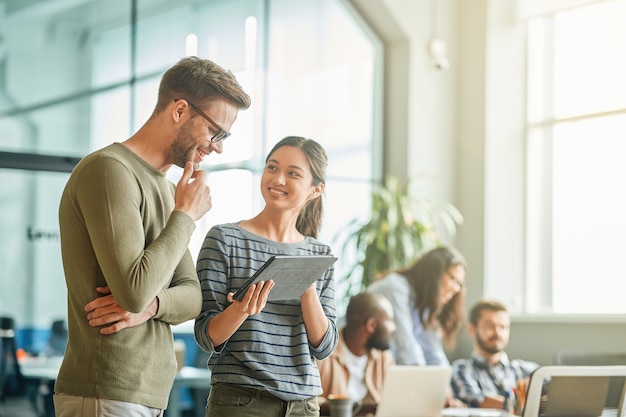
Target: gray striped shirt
x=270, y=351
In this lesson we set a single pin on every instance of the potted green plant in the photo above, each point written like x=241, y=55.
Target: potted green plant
x=399, y=229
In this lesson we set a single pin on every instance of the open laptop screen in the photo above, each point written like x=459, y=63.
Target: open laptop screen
x=576, y=391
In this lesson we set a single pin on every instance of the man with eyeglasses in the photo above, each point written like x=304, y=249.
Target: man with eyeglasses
x=125, y=230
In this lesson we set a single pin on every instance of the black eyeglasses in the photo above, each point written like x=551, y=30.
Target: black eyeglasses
x=221, y=133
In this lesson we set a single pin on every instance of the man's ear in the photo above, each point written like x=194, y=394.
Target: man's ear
x=180, y=107
x=370, y=325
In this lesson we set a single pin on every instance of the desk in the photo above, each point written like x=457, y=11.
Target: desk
x=474, y=412
x=43, y=368
x=47, y=369
x=447, y=412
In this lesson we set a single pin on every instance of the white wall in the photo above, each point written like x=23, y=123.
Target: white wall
x=465, y=127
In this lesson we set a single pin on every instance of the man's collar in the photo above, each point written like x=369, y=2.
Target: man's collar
x=481, y=362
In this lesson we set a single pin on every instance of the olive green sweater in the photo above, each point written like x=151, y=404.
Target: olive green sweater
x=118, y=229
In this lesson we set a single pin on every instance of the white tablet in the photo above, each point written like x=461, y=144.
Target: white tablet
x=292, y=275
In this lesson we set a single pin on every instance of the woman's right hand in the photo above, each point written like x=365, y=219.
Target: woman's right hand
x=225, y=324
x=255, y=298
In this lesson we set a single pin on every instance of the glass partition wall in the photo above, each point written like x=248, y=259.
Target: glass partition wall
x=76, y=75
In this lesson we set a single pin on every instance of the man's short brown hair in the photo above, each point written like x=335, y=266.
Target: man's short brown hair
x=200, y=80
x=481, y=305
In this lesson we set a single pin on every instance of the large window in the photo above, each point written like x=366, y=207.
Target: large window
x=78, y=75
x=576, y=153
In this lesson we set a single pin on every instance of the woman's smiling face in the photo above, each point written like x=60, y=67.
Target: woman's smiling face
x=287, y=181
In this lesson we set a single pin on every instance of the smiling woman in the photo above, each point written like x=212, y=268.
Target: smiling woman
x=240, y=332
x=104, y=83
x=428, y=300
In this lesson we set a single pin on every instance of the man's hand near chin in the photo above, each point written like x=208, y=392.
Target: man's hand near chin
x=106, y=313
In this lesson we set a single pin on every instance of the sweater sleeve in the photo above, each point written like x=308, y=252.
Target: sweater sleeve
x=117, y=209
x=182, y=300
x=327, y=299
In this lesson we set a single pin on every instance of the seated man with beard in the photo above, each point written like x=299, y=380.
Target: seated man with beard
x=485, y=380
x=356, y=369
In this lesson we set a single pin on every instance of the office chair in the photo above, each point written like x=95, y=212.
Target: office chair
x=11, y=380
x=13, y=385
x=57, y=342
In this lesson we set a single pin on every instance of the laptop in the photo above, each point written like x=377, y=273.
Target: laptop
x=414, y=391
x=576, y=391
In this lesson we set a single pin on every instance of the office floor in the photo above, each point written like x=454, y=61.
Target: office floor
x=17, y=407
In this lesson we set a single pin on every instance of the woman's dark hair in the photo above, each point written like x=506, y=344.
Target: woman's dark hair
x=425, y=278
x=309, y=221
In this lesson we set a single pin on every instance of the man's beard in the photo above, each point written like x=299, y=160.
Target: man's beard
x=378, y=340
x=483, y=345
x=181, y=149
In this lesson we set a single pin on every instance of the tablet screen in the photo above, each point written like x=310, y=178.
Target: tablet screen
x=292, y=275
